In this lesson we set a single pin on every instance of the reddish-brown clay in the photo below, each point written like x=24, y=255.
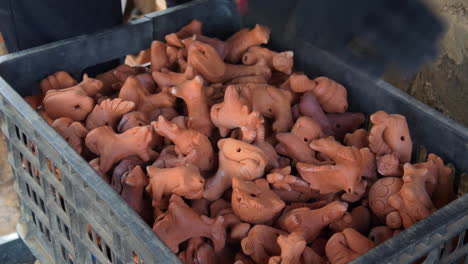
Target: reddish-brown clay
x=296, y=143
x=240, y=258
x=184, y=181
x=309, y=222
x=56, y=81
x=260, y=244
x=234, y=226
x=282, y=62
x=271, y=102
x=390, y=134
x=190, y=145
x=254, y=202
x=359, y=218
x=345, y=246
x=345, y=174
x=292, y=246
x=108, y=113
x=201, y=206
x=74, y=102
x=288, y=187
x=330, y=94
x=369, y=165
x=192, y=28
x=309, y=106
x=249, y=79
x=237, y=159
x=219, y=45
x=115, y=77
x=35, y=101
x=131, y=120
x=177, y=225
x=95, y=165
x=73, y=132
x=444, y=193
x=379, y=234
x=310, y=256
x=44, y=115
x=389, y=165
x=133, y=187
x=379, y=193
x=412, y=201
x=114, y=147
x=242, y=40
x=198, y=252
x=197, y=106
x=124, y=167
x=133, y=90
x=235, y=113
x=358, y=139
x=168, y=158
x=268, y=149
x=344, y=123
x=168, y=78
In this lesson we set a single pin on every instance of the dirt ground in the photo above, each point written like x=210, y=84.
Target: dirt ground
x=442, y=85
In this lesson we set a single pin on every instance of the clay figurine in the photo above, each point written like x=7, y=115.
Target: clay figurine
x=379, y=193
x=444, y=193
x=233, y=224
x=95, y=165
x=176, y=225
x=235, y=113
x=159, y=58
x=56, y=81
x=73, y=132
x=131, y=120
x=260, y=244
x=219, y=45
x=309, y=106
x=292, y=246
x=379, y=234
x=114, y=147
x=124, y=167
x=309, y=222
x=389, y=165
x=167, y=78
x=358, y=139
x=184, y=181
x=192, y=28
x=254, y=202
x=249, y=79
x=198, y=252
x=195, y=99
x=268, y=149
x=344, y=123
x=237, y=159
x=347, y=245
x=133, y=187
x=108, y=113
x=35, y=101
x=191, y=146
x=245, y=38
x=116, y=77
x=359, y=219
x=74, y=102
x=288, y=187
x=282, y=62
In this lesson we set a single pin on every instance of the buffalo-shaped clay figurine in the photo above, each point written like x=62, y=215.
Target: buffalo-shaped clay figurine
x=237, y=159
x=73, y=132
x=309, y=222
x=282, y=62
x=113, y=147
x=108, y=113
x=254, y=202
x=245, y=38
x=347, y=245
x=177, y=224
x=56, y=81
x=260, y=244
x=184, y=181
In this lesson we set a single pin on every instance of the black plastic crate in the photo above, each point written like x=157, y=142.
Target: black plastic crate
x=70, y=215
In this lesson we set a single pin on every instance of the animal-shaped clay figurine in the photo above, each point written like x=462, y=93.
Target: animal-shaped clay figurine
x=234, y=226
x=412, y=201
x=309, y=106
x=389, y=165
x=295, y=144
x=268, y=149
x=131, y=120
x=159, y=58
x=309, y=222
x=191, y=146
x=197, y=107
x=288, y=187
x=331, y=95
x=113, y=147
x=73, y=132
x=184, y=181
x=260, y=244
x=292, y=246
x=167, y=78
x=359, y=218
x=444, y=193
x=358, y=139
x=237, y=159
x=234, y=113
x=249, y=79
x=192, y=28
x=95, y=165
x=133, y=187
x=133, y=90
x=282, y=62
x=245, y=38
x=56, y=81
x=390, y=135
x=108, y=113
x=271, y=102
x=177, y=224
x=347, y=245
x=198, y=252
x=379, y=193
x=220, y=46
x=344, y=123
x=116, y=77
x=379, y=234
x=74, y=102
x=123, y=168
x=254, y=202
x=345, y=174
x=35, y=101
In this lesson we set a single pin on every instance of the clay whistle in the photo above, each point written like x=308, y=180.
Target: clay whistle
x=245, y=38
x=309, y=106
x=198, y=252
x=288, y=187
x=390, y=133
x=35, y=101
x=73, y=132
x=237, y=159
x=234, y=226
x=254, y=202
x=114, y=147
x=95, y=165
x=219, y=45
x=108, y=113
x=56, y=81
x=191, y=146
x=249, y=79
x=292, y=246
x=309, y=222
x=344, y=123
x=192, y=28
x=133, y=187
x=115, y=77
x=358, y=139
x=176, y=226
x=345, y=246
x=359, y=219
x=444, y=193
x=389, y=165
x=131, y=120
x=379, y=194
x=184, y=181
x=260, y=244
x=379, y=234
x=282, y=62
x=123, y=168
x=74, y=102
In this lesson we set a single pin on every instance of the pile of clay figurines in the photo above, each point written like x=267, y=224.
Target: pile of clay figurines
x=232, y=157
